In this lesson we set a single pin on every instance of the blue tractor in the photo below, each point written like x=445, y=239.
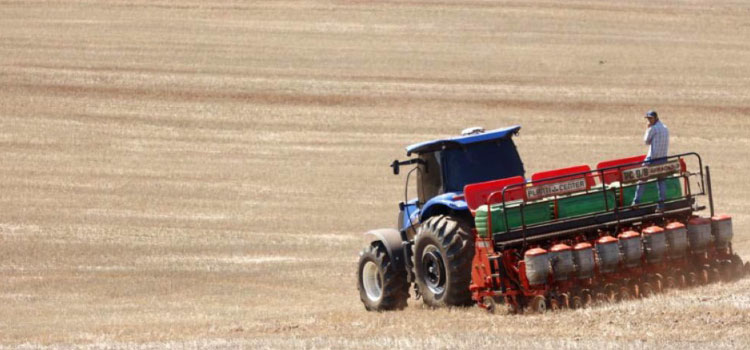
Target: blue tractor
x=480, y=231
x=432, y=247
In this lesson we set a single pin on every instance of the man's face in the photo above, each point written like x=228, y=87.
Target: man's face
x=651, y=120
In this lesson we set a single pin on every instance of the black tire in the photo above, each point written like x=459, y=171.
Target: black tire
x=443, y=251
x=391, y=284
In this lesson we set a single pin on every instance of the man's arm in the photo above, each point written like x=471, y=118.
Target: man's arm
x=648, y=136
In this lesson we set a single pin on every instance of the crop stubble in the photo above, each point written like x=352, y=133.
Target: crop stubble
x=198, y=174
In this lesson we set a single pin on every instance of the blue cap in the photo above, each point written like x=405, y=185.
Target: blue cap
x=651, y=114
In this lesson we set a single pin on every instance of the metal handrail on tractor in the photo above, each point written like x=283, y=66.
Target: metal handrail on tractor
x=685, y=175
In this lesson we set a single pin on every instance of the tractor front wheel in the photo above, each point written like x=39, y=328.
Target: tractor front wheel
x=443, y=251
x=381, y=286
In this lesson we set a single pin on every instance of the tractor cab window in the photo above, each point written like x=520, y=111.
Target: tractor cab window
x=429, y=181
x=480, y=162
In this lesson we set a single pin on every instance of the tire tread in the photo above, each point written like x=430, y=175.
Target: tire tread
x=395, y=286
x=456, y=242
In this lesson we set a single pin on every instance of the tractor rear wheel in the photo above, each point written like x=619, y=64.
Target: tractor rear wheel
x=443, y=252
x=381, y=286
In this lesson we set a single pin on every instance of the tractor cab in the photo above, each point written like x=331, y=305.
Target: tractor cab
x=445, y=166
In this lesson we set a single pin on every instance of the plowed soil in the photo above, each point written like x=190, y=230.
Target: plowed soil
x=198, y=174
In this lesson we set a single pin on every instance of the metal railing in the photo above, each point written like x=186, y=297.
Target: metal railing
x=602, y=187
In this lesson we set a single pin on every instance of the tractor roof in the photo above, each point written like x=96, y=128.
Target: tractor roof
x=434, y=145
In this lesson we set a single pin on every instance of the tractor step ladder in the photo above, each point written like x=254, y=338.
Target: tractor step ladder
x=495, y=276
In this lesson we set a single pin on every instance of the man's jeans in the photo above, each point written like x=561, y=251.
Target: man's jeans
x=661, y=186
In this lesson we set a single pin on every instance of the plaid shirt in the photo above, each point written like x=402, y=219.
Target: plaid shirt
x=657, y=138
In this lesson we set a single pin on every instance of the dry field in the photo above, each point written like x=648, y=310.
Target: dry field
x=198, y=174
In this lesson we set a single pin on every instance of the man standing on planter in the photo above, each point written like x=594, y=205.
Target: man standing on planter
x=657, y=138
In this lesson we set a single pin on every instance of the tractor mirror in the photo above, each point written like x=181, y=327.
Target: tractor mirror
x=395, y=166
